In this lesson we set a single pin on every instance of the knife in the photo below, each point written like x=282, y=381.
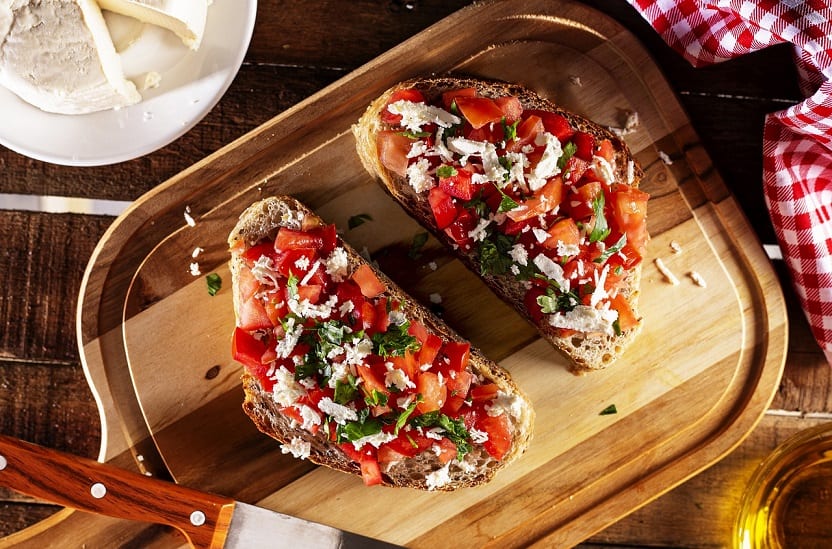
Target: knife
x=206, y=520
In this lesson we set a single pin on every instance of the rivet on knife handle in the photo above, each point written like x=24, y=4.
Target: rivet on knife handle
x=87, y=485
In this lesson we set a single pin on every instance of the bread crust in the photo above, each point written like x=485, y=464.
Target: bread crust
x=261, y=220
x=586, y=352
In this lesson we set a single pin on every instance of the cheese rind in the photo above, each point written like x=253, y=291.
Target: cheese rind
x=58, y=56
x=186, y=18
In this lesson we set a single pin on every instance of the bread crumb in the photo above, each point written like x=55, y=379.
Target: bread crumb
x=576, y=80
x=630, y=123
x=435, y=298
x=697, y=279
x=675, y=247
x=667, y=273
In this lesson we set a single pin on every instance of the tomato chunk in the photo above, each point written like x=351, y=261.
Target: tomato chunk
x=479, y=111
x=448, y=97
x=629, y=207
x=547, y=198
x=459, y=185
x=392, y=151
x=511, y=107
x=246, y=349
x=408, y=94
x=457, y=353
x=433, y=392
x=443, y=207
x=585, y=145
x=564, y=231
x=498, y=429
x=290, y=239
x=368, y=281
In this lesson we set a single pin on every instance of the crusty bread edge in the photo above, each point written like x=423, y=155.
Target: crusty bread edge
x=262, y=220
x=370, y=124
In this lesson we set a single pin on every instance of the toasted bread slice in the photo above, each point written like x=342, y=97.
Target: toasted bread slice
x=292, y=409
x=474, y=162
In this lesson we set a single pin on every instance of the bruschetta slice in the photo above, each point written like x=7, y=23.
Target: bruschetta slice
x=344, y=369
x=540, y=202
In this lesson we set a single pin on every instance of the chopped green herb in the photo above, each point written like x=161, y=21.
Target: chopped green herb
x=478, y=205
x=358, y=220
x=364, y=427
x=608, y=252
x=345, y=391
x=419, y=241
x=554, y=302
x=568, y=151
x=494, y=254
x=375, y=398
x=396, y=341
x=455, y=430
x=446, y=171
x=609, y=410
x=406, y=414
x=510, y=130
x=414, y=135
x=214, y=283
x=507, y=203
x=600, y=230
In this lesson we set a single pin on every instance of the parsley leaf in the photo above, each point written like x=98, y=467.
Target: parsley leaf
x=608, y=252
x=568, y=151
x=364, y=427
x=609, y=410
x=494, y=254
x=507, y=203
x=553, y=302
x=358, y=220
x=510, y=130
x=454, y=429
x=396, y=341
x=345, y=391
x=600, y=230
x=406, y=414
x=445, y=171
x=214, y=283
x=419, y=241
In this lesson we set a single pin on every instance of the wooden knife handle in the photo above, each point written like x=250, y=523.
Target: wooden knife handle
x=89, y=485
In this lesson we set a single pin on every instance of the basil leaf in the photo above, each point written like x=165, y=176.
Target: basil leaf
x=358, y=220
x=609, y=410
x=355, y=430
x=608, y=252
x=214, y=282
x=454, y=429
x=600, y=230
x=405, y=415
x=345, y=391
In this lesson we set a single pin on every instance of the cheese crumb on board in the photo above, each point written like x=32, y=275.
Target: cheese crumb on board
x=666, y=272
x=697, y=279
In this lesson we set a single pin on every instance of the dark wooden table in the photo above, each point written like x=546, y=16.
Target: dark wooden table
x=298, y=48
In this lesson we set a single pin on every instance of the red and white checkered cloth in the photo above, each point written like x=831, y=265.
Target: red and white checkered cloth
x=797, y=142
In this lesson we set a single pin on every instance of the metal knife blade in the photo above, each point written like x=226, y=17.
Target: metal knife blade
x=206, y=520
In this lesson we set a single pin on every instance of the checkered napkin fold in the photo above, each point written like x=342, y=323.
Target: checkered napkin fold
x=797, y=142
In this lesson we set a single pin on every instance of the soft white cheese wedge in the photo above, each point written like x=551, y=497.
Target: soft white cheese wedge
x=186, y=18
x=58, y=56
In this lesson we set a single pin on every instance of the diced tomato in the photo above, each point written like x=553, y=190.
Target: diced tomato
x=447, y=450
x=527, y=131
x=579, y=201
x=585, y=145
x=457, y=353
x=606, y=150
x=252, y=254
x=493, y=133
x=575, y=169
x=386, y=454
x=461, y=227
x=382, y=316
x=275, y=307
x=329, y=238
x=443, y=207
x=459, y=185
x=484, y=392
x=408, y=444
x=479, y=111
x=626, y=317
x=418, y=330
x=546, y=199
x=530, y=301
x=449, y=96
x=433, y=392
x=513, y=228
x=629, y=209
x=392, y=151
x=253, y=316
x=498, y=429
x=310, y=292
x=408, y=94
x=246, y=349
x=555, y=124
x=290, y=239
x=407, y=364
x=247, y=285
x=429, y=350
x=291, y=261
x=459, y=383
x=368, y=281
x=370, y=470
x=367, y=316
x=372, y=381
x=564, y=231
x=511, y=107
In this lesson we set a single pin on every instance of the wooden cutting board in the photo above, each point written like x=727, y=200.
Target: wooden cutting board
x=156, y=345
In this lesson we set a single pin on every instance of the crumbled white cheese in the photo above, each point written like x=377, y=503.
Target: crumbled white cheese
x=477, y=436
x=194, y=269
x=547, y=166
x=346, y=308
x=666, y=272
x=567, y=250
x=675, y=247
x=374, y=440
x=434, y=433
x=418, y=148
x=698, y=279
x=603, y=169
x=196, y=252
x=306, y=309
x=357, y=350
x=505, y=403
x=286, y=390
x=418, y=175
x=394, y=377
x=340, y=414
x=586, y=319
x=188, y=219
x=311, y=418
x=599, y=293
x=540, y=235
x=466, y=147
x=440, y=147
x=416, y=115
x=519, y=163
x=552, y=271
x=665, y=158
x=310, y=273
x=298, y=447
x=286, y=345
x=519, y=254
x=302, y=263
x=337, y=265
x=264, y=271
x=631, y=172
x=479, y=233
x=396, y=317
x=439, y=478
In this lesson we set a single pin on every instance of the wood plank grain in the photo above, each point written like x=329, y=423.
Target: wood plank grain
x=17, y=516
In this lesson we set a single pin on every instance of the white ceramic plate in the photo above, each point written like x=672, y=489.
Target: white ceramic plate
x=191, y=83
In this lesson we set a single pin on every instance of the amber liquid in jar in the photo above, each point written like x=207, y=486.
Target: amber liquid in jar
x=788, y=502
